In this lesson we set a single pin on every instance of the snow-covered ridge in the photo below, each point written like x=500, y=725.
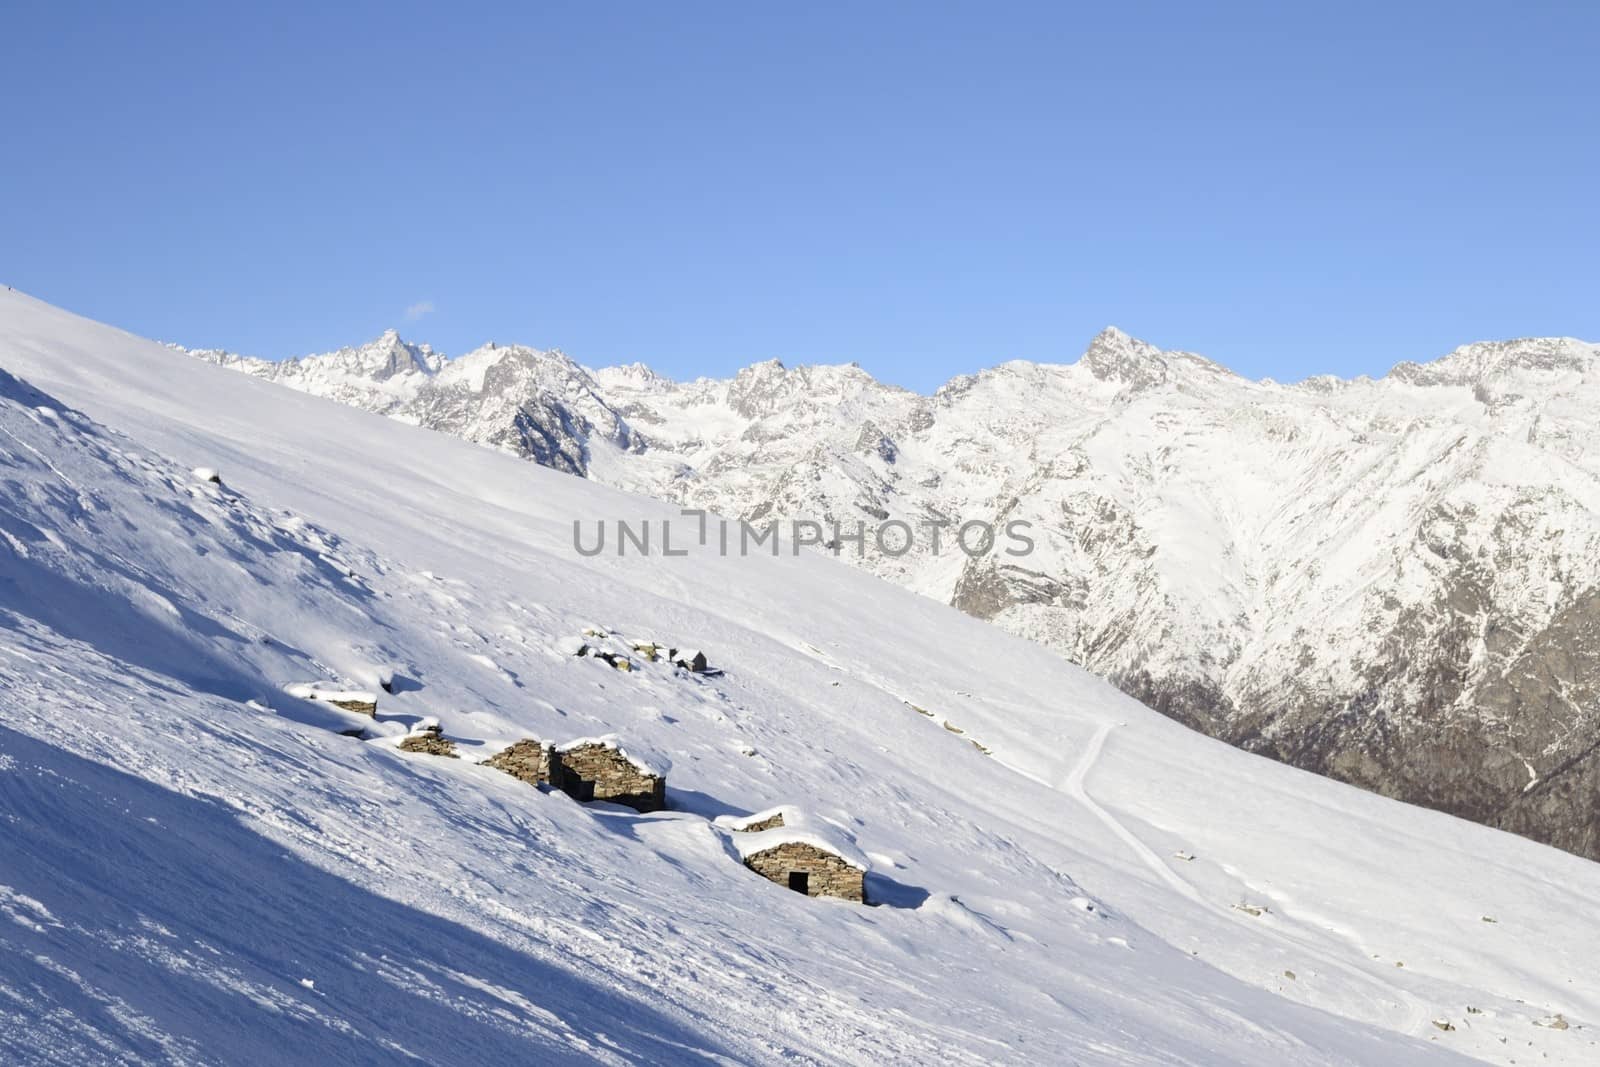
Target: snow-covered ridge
x=198, y=868
x=1389, y=580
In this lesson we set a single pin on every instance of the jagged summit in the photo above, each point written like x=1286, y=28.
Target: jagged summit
x=1476, y=363
x=1114, y=356
x=636, y=375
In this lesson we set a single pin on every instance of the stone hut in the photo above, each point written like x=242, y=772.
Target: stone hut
x=427, y=736
x=785, y=847
x=602, y=768
x=528, y=759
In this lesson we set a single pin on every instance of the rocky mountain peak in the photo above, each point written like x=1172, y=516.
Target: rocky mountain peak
x=1114, y=356
x=1477, y=363
x=386, y=356
x=757, y=389
x=634, y=376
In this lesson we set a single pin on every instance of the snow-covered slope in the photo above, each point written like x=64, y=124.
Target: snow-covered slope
x=1395, y=582
x=200, y=868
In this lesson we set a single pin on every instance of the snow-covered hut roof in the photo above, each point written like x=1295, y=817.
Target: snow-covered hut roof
x=327, y=691
x=640, y=755
x=740, y=823
x=797, y=828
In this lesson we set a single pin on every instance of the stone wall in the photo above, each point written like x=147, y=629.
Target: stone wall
x=829, y=876
x=528, y=760
x=612, y=776
x=431, y=743
x=771, y=822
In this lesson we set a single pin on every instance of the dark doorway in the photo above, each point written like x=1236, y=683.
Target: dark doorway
x=583, y=791
x=800, y=882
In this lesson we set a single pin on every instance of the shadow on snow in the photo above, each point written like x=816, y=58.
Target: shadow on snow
x=188, y=931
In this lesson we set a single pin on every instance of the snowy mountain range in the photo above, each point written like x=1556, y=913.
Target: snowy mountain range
x=1389, y=581
x=199, y=866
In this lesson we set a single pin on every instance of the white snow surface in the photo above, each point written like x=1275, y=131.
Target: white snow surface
x=789, y=812
x=195, y=867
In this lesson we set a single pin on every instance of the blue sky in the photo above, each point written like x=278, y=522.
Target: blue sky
x=925, y=188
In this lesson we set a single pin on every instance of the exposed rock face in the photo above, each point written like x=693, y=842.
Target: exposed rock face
x=527, y=759
x=825, y=875
x=596, y=772
x=1390, y=581
x=533, y=403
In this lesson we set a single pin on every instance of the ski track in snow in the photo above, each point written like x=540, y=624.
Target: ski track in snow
x=1074, y=783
